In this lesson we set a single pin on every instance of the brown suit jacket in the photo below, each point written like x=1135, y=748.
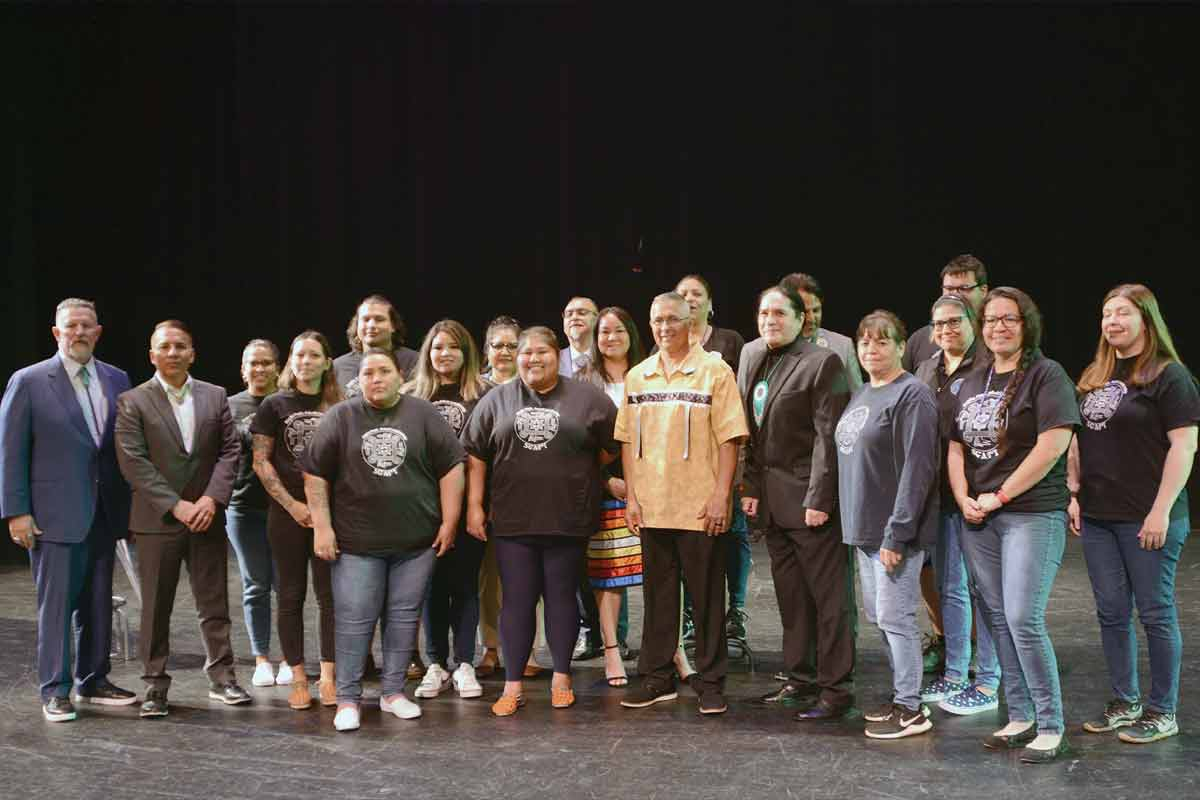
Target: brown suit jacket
x=153, y=460
x=790, y=462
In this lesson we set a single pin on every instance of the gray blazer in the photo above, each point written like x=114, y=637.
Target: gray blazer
x=160, y=471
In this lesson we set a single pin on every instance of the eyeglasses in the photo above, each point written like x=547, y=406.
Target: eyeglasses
x=1009, y=320
x=578, y=312
x=963, y=288
x=952, y=323
x=671, y=322
x=510, y=346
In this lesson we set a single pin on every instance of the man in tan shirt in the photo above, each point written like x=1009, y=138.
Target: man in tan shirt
x=680, y=427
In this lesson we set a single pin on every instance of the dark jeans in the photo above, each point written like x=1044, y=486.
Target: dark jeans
x=814, y=587
x=248, y=536
x=1122, y=573
x=74, y=592
x=533, y=567
x=453, y=602
x=365, y=590
x=292, y=551
x=667, y=557
x=160, y=558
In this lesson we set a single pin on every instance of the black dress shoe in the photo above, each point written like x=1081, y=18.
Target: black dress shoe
x=155, y=704
x=228, y=693
x=588, y=652
x=106, y=694
x=789, y=695
x=1021, y=739
x=58, y=709
x=1031, y=756
x=822, y=712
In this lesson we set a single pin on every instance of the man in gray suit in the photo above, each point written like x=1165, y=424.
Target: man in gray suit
x=178, y=448
x=579, y=324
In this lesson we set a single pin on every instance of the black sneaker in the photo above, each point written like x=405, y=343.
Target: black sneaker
x=106, y=694
x=58, y=709
x=880, y=713
x=933, y=655
x=900, y=723
x=647, y=695
x=1117, y=714
x=712, y=702
x=228, y=693
x=735, y=624
x=155, y=704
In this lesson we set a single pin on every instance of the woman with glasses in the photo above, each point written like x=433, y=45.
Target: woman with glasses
x=954, y=329
x=1130, y=465
x=547, y=435
x=447, y=375
x=282, y=430
x=1007, y=464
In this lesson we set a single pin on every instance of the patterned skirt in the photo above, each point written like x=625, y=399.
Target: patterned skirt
x=614, y=554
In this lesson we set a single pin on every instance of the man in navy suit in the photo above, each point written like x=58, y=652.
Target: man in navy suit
x=66, y=503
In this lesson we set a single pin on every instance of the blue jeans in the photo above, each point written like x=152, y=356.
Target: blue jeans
x=1121, y=571
x=247, y=529
x=954, y=586
x=890, y=600
x=367, y=589
x=1014, y=557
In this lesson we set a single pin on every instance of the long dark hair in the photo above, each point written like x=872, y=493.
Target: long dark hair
x=596, y=371
x=1031, y=349
x=331, y=393
x=1158, y=352
x=424, y=383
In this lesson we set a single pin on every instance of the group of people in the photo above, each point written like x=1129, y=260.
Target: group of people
x=520, y=491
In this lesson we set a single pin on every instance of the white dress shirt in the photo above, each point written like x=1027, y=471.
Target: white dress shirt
x=183, y=404
x=91, y=398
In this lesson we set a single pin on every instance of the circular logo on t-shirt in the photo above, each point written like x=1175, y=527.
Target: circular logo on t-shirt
x=978, y=426
x=454, y=413
x=849, y=427
x=352, y=389
x=384, y=449
x=298, y=430
x=1099, y=405
x=536, y=427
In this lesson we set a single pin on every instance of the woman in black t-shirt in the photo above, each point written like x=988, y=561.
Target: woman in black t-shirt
x=282, y=428
x=1130, y=465
x=544, y=441
x=447, y=375
x=1007, y=464
x=384, y=481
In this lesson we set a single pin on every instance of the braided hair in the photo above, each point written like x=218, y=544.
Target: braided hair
x=1031, y=341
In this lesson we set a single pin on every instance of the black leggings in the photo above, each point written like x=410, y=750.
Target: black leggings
x=292, y=550
x=533, y=567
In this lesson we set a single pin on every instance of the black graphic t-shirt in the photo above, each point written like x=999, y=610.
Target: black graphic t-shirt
x=1123, y=441
x=383, y=467
x=345, y=369
x=887, y=441
x=1044, y=400
x=290, y=418
x=449, y=402
x=541, y=451
x=248, y=493
x=932, y=372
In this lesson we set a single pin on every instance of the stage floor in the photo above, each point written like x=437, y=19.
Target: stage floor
x=595, y=750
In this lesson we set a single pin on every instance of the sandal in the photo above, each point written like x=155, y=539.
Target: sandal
x=562, y=698
x=507, y=705
x=615, y=681
x=488, y=664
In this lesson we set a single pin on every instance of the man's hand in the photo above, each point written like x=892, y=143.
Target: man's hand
x=715, y=514
x=185, y=512
x=814, y=518
x=206, y=509
x=971, y=511
x=890, y=558
x=24, y=531
x=750, y=506
x=633, y=515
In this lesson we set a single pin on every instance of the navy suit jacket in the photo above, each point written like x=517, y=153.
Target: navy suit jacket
x=50, y=466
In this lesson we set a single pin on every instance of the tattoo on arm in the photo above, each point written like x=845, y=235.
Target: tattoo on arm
x=317, y=491
x=263, y=447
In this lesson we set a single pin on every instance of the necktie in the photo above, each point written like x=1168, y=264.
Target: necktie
x=581, y=361
x=93, y=416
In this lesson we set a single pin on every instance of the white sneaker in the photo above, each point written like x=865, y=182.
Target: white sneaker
x=263, y=674
x=285, y=674
x=436, y=681
x=346, y=719
x=401, y=706
x=465, y=681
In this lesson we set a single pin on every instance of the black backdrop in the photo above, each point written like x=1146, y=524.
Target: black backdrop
x=256, y=169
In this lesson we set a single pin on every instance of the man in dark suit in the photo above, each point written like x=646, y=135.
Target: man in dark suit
x=794, y=393
x=67, y=504
x=178, y=448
